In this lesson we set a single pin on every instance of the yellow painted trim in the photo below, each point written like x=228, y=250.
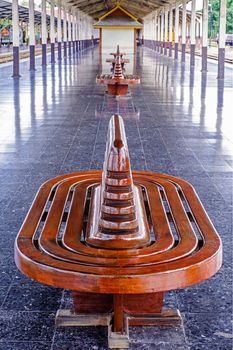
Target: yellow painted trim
x=114, y=9
x=117, y=27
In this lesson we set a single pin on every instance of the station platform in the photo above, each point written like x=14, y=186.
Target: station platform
x=54, y=121
x=6, y=53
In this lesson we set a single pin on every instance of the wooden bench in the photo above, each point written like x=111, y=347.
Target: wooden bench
x=118, y=240
x=118, y=82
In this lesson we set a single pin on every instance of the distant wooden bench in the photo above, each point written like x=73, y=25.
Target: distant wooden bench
x=118, y=240
x=118, y=82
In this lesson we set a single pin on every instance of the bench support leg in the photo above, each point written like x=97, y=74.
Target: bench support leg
x=118, y=312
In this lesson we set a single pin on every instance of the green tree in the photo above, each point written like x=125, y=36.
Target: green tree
x=214, y=7
x=230, y=16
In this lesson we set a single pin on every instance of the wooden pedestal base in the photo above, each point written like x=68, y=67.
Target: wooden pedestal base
x=118, y=312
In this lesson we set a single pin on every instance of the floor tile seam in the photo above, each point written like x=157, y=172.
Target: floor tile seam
x=219, y=192
x=191, y=151
x=94, y=147
x=167, y=149
x=29, y=312
x=8, y=290
x=75, y=136
x=55, y=328
x=159, y=342
x=2, y=341
x=143, y=151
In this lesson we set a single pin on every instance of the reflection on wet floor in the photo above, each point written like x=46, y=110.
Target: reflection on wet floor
x=122, y=105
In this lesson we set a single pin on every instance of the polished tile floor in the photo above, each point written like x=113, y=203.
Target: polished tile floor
x=55, y=121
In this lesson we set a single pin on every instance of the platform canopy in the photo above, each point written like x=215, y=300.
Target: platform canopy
x=6, y=12
x=96, y=8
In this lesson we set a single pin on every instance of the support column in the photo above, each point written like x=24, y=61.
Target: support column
x=15, y=25
x=176, y=30
x=162, y=31
x=31, y=35
x=193, y=34
x=204, y=36
x=156, y=30
x=65, y=32
x=221, y=39
x=165, y=31
x=183, y=37
x=43, y=32
x=52, y=32
x=69, y=32
x=159, y=33
x=153, y=32
x=59, y=36
x=77, y=32
x=73, y=32
x=80, y=33
x=170, y=31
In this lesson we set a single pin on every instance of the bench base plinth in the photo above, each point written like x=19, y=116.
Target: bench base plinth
x=118, y=312
x=118, y=340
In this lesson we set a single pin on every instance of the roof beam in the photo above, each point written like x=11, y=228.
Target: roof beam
x=139, y=8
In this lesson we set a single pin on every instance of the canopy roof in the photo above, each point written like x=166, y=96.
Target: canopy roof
x=6, y=12
x=139, y=8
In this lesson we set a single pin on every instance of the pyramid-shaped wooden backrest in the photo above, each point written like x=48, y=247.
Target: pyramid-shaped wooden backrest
x=117, y=215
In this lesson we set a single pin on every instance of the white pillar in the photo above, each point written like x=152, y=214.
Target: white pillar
x=153, y=29
x=73, y=31
x=69, y=32
x=221, y=39
x=31, y=35
x=204, y=35
x=165, y=31
x=15, y=22
x=177, y=14
x=170, y=30
x=159, y=33
x=52, y=32
x=65, y=31
x=59, y=34
x=80, y=31
x=183, y=35
x=193, y=33
x=43, y=31
x=77, y=29
x=156, y=29
x=162, y=31
x=15, y=26
x=193, y=21
x=31, y=23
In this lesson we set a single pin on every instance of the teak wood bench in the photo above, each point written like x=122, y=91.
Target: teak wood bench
x=117, y=83
x=118, y=240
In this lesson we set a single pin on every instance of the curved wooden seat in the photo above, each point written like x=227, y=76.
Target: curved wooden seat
x=129, y=235
x=170, y=261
